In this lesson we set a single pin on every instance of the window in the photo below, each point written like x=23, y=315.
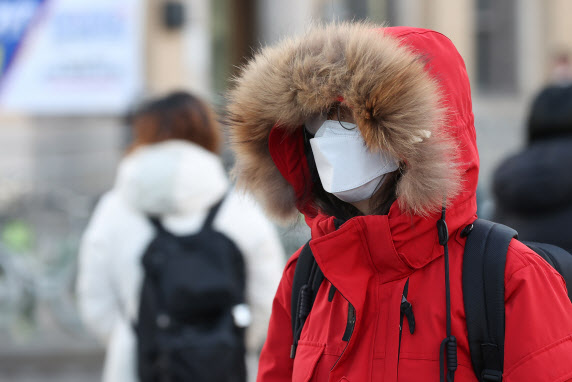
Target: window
x=371, y=10
x=496, y=46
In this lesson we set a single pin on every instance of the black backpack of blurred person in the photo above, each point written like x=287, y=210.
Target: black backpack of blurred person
x=192, y=290
x=533, y=189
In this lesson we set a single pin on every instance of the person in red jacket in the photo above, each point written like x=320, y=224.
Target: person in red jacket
x=372, y=128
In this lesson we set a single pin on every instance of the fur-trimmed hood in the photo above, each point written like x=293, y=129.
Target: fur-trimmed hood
x=401, y=84
x=173, y=177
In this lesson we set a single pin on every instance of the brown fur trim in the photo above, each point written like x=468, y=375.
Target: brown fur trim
x=395, y=104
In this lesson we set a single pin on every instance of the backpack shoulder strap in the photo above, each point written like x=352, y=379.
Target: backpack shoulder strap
x=307, y=280
x=483, y=294
x=212, y=213
x=156, y=223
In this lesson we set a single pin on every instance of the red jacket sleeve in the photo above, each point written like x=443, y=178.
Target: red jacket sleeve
x=538, y=338
x=275, y=364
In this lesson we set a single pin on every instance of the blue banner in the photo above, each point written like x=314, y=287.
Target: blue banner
x=16, y=18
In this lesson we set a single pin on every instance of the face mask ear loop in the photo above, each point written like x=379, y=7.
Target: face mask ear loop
x=340, y=121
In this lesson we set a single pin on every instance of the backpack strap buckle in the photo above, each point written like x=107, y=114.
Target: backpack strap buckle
x=491, y=375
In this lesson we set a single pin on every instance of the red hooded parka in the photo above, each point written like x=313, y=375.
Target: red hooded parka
x=400, y=83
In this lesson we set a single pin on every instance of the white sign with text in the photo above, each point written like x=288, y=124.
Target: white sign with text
x=71, y=56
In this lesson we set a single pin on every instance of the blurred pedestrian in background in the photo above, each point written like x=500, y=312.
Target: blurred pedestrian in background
x=533, y=188
x=169, y=181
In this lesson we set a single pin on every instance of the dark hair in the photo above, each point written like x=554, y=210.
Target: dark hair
x=178, y=115
x=330, y=205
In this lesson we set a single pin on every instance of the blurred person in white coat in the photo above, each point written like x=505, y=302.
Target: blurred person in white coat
x=171, y=170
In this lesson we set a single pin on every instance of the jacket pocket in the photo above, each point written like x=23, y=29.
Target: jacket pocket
x=308, y=355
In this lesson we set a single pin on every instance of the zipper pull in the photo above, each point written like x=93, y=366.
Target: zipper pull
x=407, y=309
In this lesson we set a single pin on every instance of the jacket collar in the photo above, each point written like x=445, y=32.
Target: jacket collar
x=390, y=246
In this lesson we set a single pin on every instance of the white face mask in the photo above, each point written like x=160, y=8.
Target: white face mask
x=346, y=167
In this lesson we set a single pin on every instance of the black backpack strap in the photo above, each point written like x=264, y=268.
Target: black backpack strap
x=212, y=213
x=155, y=220
x=156, y=223
x=307, y=280
x=483, y=293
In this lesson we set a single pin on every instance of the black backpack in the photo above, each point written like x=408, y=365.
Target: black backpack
x=483, y=290
x=185, y=329
x=484, y=262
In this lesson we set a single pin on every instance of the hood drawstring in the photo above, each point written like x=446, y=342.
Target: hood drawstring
x=449, y=345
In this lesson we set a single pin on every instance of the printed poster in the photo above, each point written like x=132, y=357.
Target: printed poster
x=70, y=56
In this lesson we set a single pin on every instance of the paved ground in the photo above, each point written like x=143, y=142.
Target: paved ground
x=55, y=365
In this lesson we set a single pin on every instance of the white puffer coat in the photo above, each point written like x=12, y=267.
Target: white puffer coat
x=180, y=181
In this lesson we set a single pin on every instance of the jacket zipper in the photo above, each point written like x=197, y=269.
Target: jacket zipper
x=350, y=325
